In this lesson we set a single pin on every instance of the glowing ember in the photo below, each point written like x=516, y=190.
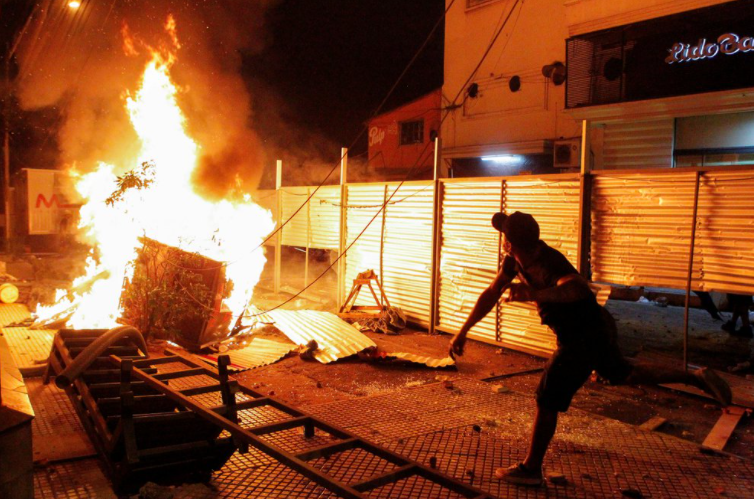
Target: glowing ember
x=167, y=210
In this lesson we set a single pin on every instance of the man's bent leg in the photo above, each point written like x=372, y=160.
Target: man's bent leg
x=545, y=424
x=643, y=373
x=530, y=471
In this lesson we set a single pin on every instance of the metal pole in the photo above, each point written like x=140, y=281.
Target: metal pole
x=688, y=276
x=585, y=202
x=382, y=242
x=498, y=305
x=343, y=226
x=279, y=214
x=436, y=240
x=6, y=152
x=308, y=238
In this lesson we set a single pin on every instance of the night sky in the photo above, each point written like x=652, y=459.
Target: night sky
x=332, y=62
x=324, y=68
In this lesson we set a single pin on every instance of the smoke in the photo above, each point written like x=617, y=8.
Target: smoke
x=85, y=62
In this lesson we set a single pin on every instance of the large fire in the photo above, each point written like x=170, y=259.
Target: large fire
x=168, y=210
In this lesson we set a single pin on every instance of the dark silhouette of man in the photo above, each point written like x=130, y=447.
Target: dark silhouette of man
x=585, y=331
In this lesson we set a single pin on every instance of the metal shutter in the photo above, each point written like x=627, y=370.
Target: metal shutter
x=645, y=144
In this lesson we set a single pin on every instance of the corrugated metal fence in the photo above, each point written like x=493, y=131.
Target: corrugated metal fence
x=642, y=225
x=640, y=236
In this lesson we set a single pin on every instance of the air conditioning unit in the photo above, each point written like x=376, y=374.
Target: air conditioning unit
x=567, y=153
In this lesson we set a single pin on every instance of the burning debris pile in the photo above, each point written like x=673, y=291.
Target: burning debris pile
x=149, y=224
x=177, y=296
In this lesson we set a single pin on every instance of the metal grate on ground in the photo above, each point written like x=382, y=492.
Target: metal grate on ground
x=53, y=413
x=599, y=457
x=78, y=479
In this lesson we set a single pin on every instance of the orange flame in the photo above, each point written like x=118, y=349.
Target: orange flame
x=169, y=210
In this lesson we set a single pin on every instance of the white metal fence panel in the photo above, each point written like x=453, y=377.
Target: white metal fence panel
x=407, y=254
x=363, y=215
x=296, y=230
x=724, y=246
x=469, y=255
x=641, y=228
x=324, y=217
x=554, y=202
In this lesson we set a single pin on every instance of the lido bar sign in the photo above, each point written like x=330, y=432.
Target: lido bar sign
x=728, y=44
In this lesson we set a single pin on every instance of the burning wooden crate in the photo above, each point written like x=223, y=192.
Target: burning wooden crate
x=176, y=295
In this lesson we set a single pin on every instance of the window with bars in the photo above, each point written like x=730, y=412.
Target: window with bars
x=412, y=132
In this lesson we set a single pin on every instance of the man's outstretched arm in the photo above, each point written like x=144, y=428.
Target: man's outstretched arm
x=484, y=305
x=568, y=289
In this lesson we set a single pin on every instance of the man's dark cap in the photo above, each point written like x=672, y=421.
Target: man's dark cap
x=519, y=228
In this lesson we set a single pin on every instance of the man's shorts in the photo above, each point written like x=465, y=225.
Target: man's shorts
x=736, y=300
x=596, y=349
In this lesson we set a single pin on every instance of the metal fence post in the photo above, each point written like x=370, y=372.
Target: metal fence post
x=585, y=203
x=279, y=214
x=343, y=226
x=689, y=275
x=436, y=239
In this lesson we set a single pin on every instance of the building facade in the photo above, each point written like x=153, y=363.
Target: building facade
x=400, y=140
x=663, y=84
x=505, y=89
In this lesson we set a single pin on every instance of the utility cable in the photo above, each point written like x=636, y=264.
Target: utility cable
x=408, y=175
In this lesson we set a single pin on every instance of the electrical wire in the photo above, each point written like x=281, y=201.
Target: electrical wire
x=408, y=175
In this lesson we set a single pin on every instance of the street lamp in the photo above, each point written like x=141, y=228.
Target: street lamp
x=74, y=4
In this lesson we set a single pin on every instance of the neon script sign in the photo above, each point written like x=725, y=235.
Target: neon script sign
x=728, y=44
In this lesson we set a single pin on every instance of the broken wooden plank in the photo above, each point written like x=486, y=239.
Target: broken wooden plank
x=724, y=428
x=653, y=423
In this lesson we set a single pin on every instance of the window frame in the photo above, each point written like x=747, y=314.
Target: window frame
x=417, y=133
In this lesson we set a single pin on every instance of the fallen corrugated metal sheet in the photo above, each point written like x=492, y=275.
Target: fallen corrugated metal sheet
x=424, y=360
x=469, y=256
x=259, y=352
x=12, y=313
x=335, y=338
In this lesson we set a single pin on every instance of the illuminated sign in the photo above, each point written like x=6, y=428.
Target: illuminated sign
x=728, y=44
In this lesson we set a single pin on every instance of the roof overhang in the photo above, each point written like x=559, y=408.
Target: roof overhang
x=479, y=150
x=728, y=101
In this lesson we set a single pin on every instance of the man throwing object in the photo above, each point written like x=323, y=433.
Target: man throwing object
x=585, y=331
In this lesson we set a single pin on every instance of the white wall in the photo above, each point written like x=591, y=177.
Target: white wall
x=584, y=16
x=534, y=36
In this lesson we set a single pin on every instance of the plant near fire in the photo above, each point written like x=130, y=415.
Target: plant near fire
x=139, y=178
x=167, y=292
